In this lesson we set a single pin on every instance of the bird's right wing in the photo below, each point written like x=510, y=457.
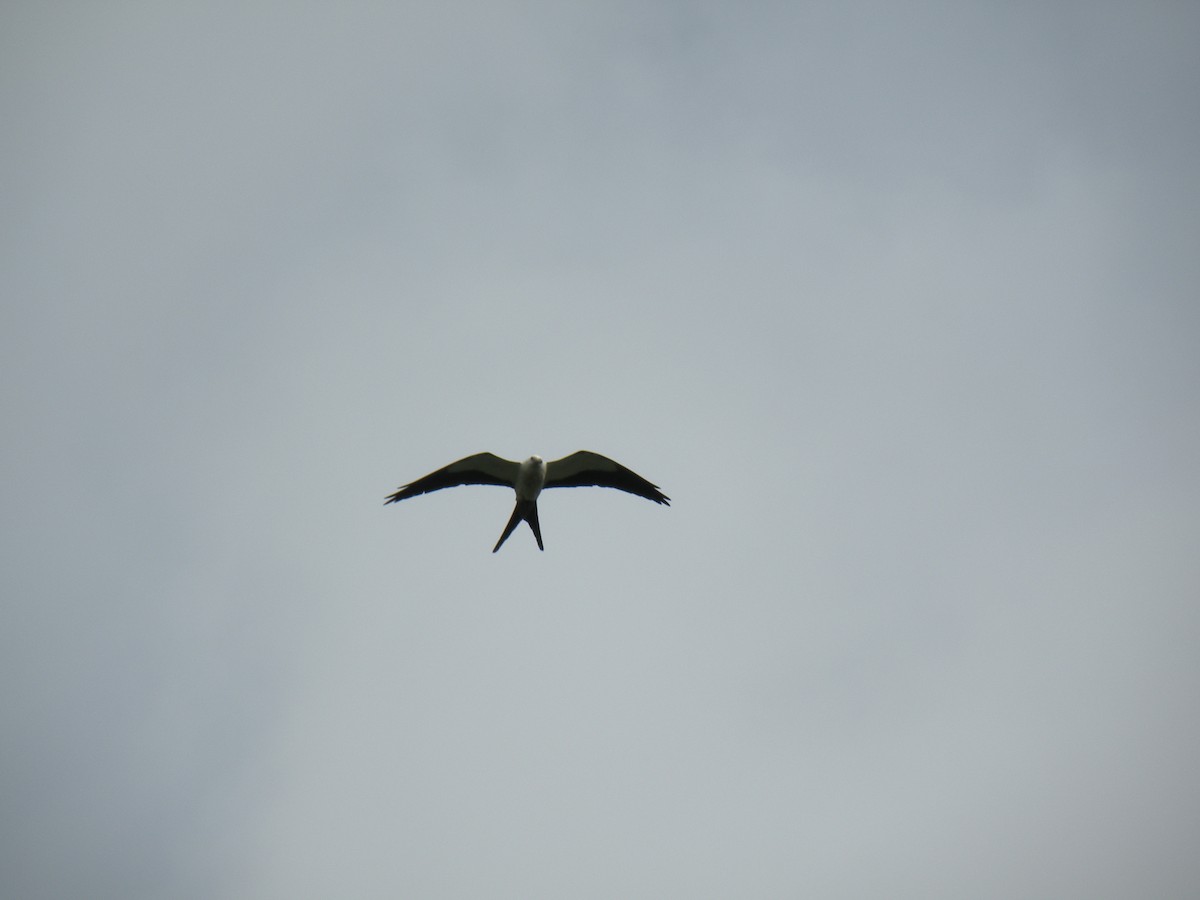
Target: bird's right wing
x=482, y=468
x=586, y=469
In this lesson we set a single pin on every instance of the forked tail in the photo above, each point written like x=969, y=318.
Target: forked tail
x=525, y=510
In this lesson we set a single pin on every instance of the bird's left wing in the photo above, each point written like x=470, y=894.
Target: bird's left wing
x=482, y=468
x=587, y=469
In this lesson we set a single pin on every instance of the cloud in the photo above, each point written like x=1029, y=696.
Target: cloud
x=896, y=307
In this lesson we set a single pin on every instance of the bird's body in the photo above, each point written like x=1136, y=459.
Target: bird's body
x=529, y=478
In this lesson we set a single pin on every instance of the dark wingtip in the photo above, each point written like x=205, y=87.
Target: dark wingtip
x=397, y=496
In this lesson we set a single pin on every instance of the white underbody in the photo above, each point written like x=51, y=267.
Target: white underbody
x=530, y=478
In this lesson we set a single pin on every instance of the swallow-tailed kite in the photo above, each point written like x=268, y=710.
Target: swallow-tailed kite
x=528, y=478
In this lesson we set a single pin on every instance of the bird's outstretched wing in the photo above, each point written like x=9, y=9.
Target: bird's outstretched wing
x=482, y=468
x=587, y=469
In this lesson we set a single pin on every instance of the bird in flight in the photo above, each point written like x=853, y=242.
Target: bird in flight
x=581, y=469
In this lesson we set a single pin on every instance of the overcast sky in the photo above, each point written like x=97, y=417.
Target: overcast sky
x=898, y=303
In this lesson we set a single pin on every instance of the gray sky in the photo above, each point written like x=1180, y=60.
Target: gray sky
x=897, y=302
